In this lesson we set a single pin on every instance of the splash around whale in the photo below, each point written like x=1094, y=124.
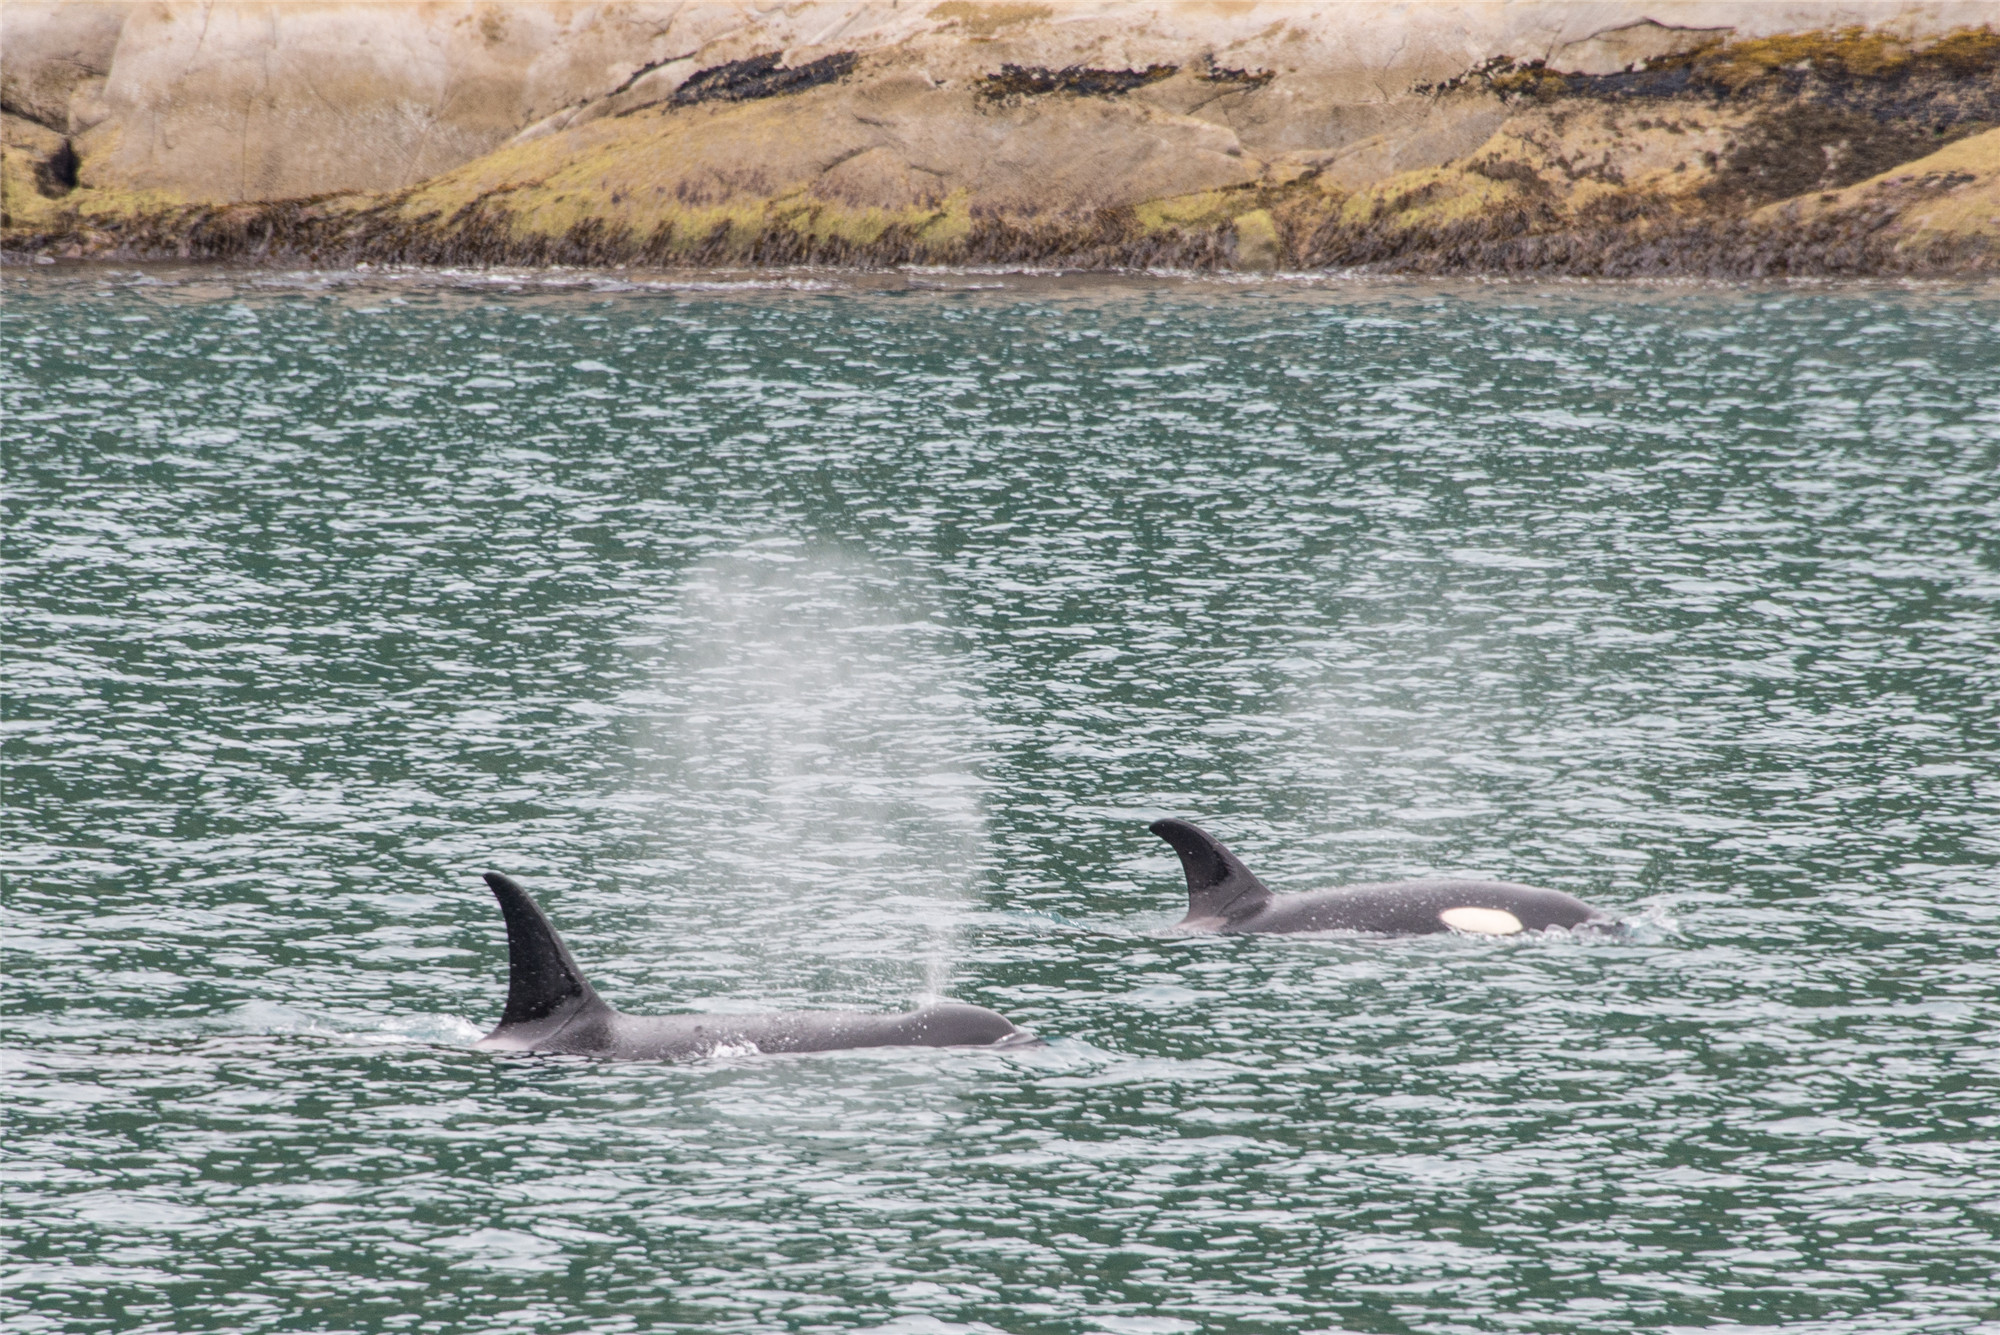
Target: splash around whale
x=552, y=1008
x=1224, y=896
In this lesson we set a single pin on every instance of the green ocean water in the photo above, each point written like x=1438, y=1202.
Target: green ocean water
x=822, y=643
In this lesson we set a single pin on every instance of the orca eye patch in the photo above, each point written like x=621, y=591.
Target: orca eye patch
x=1485, y=922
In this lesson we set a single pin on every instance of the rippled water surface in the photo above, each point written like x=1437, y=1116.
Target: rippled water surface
x=821, y=645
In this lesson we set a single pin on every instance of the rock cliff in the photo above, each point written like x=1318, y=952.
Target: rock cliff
x=1683, y=136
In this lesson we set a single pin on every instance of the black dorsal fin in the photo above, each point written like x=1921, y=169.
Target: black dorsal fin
x=1219, y=885
x=542, y=976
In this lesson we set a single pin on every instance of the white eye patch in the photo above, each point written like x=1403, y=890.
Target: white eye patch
x=1486, y=922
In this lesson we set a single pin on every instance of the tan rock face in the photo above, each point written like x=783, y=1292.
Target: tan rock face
x=235, y=102
x=53, y=59
x=1611, y=50
x=221, y=102
x=1240, y=132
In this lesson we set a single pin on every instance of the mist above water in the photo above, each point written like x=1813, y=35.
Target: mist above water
x=813, y=750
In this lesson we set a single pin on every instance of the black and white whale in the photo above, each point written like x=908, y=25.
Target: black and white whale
x=551, y=1007
x=1223, y=896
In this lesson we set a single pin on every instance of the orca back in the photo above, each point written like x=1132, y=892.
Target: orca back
x=1224, y=896
x=1417, y=908
x=551, y=1007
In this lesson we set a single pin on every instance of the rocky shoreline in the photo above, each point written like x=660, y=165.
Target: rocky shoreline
x=1637, y=148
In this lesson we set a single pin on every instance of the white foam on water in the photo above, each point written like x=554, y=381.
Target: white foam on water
x=504, y=1249
x=272, y=1017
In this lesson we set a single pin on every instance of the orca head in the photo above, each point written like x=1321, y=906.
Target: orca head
x=1221, y=890
x=546, y=991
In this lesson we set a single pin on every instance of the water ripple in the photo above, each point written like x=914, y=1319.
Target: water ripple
x=824, y=642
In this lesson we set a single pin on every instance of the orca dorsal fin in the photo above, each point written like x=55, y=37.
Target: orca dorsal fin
x=1219, y=885
x=542, y=976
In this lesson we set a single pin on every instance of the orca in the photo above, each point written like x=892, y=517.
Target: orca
x=1223, y=896
x=551, y=1007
